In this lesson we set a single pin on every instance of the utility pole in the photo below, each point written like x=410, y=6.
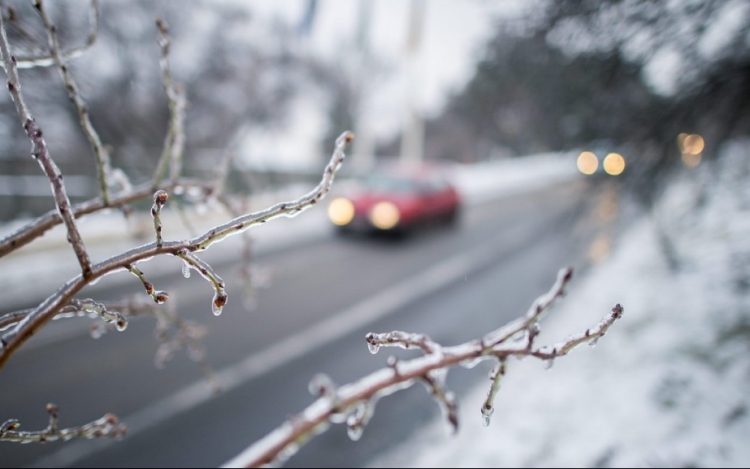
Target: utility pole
x=412, y=138
x=363, y=150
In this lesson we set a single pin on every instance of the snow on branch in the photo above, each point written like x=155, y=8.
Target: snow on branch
x=354, y=403
x=105, y=427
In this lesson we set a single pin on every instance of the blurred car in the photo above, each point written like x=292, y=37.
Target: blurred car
x=397, y=199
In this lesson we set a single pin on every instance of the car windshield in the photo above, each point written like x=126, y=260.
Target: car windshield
x=389, y=183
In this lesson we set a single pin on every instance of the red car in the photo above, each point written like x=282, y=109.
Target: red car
x=397, y=199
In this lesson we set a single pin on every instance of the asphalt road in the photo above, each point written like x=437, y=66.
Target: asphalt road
x=454, y=284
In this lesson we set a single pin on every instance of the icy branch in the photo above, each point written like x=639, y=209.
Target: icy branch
x=36, y=228
x=106, y=427
x=159, y=297
x=400, y=339
x=160, y=198
x=101, y=153
x=47, y=60
x=240, y=224
x=220, y=294
x=175, y=140
x=488, y=407
x=430, y=369
x=115, y=313
x=42, y=156
x=12, y=339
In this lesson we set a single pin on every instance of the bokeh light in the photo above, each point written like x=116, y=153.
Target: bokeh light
x=693, y=144
x=587, y=163
x=385, y=215
x=614, y=164
x=341, y=211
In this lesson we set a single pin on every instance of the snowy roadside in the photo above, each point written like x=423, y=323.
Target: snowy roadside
x=667, y=387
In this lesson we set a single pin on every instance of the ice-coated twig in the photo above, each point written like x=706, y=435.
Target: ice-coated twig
x=41, y=155
x=535, y=313
x=488, y=408
x=115, y=313
x=174, y=142
x=12, y=340
x=160, y=198
x=240, y=224
x=246, y=268
x=590, y=336
x=100, y=151
x=8, y=319
x=159, y=297
x=220, y=294
x=90, y=307
x=36, y=228
x=105, y=427
x=446, y=399
x=400, y=339
x=430, y=368
x=47, y=60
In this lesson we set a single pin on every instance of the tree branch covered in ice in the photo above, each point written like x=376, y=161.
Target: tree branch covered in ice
x=10, y=341
x=354, y=403
x=17, y=327
x=41, y=154
x=106, y=427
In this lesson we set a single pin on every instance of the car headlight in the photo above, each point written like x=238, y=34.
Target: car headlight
x=385, y=215
x=341, y=211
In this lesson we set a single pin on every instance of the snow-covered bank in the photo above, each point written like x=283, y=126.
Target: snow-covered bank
x=669, y=386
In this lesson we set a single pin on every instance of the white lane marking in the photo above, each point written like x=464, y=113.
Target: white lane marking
x=295, y=346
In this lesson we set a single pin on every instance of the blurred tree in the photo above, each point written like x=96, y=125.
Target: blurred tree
x=626, y=75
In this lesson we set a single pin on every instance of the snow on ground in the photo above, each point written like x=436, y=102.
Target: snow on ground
x=668, y=386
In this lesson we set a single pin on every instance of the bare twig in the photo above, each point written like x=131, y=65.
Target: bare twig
x=106, y=427
x=352, y=398
x=100, y=151
x=17, y=336
x=41, y=154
